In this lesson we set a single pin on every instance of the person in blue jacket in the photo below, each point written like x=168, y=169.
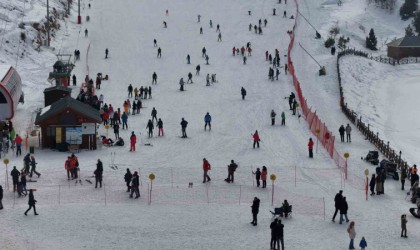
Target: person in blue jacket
x=207, y=120
x=124, y=118
x=363, y=243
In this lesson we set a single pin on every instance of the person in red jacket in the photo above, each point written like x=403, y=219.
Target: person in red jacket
x=310, y=147
x=264, y=176
x=67, y=166
x=256, y=139
x=206, y=168
x=18, y=142
x=133, y=140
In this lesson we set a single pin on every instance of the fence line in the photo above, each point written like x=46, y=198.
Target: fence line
x=373, y=137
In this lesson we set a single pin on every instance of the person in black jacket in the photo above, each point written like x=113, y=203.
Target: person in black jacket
x=184, y=124
x=160, y=127
x=337, y=200
x=279, y=234
x=150, y=126
x=343, y=210
x=31, y=202
x=98, y=173
x=15, y=177
x=273, y=234
x=33, y=167
x=1, y=197
x=257, y=176
x=255, y=209
x=243, y=93
x=127, y=178
x=135, y=185
x=372, y=184
x=342, y=130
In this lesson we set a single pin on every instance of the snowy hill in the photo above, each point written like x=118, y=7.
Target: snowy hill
x=214, y=215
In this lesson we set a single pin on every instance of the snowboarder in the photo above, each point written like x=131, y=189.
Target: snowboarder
x=190, y=77
x=159, y=54
x=273, y=117
x=310, y=148
x=257, y=176
x=343, y=210
x=404, y=226
x=352, y=234
x=135, y=185
x=33, y=167
x=231, y=171
x=98, y=173
x=337, y=201
x=127, y=178
x=283, y=119
x=31, y=202
x=154, y=114
x=264, y=176
x=207, y=121
x=154, y=78
x=160, y=127
x=197, y=70
x=255, y=209
x=188, y=59
x=181, y=84
x=243, y=93
x=15, y=177
x=106, y=53
x=150, y=126
x=206, y=168
x=256, y=138
x=341, y=130
x=348, y=132
x=184, y=124
x=133, y=140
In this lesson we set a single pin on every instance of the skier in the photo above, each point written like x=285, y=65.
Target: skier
x=343, y=210
x=116, y=131
x=403, y=176
x=341, y=130
x=310, y=147
x=106, y=53
x=154, y=43
x=277, y=73
x=135, y=185
x=154, y=78
x=294, y=107
x=217, y=28
x=283, y=119
x=26, y=163
x=98, y=173
x=250, y=27
x=348, y=131
x=264, y=176
x=197, y=70
x=404, y=226
x=159, y=54
x=203, y=52
x=243, y=93
x=33, y=167
x=255, y=209
x=124, y=118
x=18, y=143
x=184, y=124
x=207, y=121
x=231, y=171
x=219, y=37
x=207, y=59
x=256, y=139
x=86, y=32
x=249, y=51
x=265, y=22
x=74, y=80
x=211, y=24
x=198, y=18
x=31, y=202
x=181, y=84
x=213, y=78
x=160, y=127
x=291, y=99
x=190, y=77
x=242, y=51
x=206, y=168
x=188, y=59
x=208, y=80
x=284, y=14
x=244, y=60
x=15, y=177
x=257, y=176
x=154, y=114
x=233, y=51
x=273, y=117
x=130, y=90
x=266, y=55
x=133, y=140
x=337, y=201
x=150, y=92
x=164, y=24
x=127, y=178
x=150, y=126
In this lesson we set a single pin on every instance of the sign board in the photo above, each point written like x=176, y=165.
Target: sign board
x=74, y=135
x=88, y=128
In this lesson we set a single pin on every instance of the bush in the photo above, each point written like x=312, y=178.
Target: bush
x=330, y=42
x=342, y=42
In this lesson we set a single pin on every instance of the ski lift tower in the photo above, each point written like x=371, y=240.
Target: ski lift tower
x=62, y=70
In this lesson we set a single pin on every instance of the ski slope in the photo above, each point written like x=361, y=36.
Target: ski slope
x=81, y=217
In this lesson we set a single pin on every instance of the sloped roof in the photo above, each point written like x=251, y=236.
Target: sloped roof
x=57, y=88
x=408, y=41
x=64, y=103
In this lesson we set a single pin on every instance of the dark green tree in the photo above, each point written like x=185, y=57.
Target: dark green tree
x=409, y=31
x=408, y=9
x=416, y=22
x=371, y=40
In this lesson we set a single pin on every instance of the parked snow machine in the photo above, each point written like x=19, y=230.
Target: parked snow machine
x=372, y=157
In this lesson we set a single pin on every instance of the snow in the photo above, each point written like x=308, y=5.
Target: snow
x=45, y=110
x=214, y=215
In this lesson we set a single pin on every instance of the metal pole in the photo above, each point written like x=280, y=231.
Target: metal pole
x=7, y=177
x=272, y=195
x=48, y=23
x=367, y=181
x=79, y=18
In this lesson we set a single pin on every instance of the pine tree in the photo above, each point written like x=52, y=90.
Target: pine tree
x=408, y=9
x=409, y=31
x=416, y=22
x=371, y=40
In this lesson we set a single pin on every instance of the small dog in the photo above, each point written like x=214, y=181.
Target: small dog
x=190, y=184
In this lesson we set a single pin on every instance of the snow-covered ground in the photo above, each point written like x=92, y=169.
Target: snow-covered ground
x=216, y=215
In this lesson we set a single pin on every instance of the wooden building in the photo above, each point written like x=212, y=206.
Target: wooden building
x=10, y=92
x=54, y=94
x=68, y=124
x=408, y=46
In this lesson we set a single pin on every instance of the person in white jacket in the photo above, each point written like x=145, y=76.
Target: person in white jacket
x=352, y=234
x=348, y=131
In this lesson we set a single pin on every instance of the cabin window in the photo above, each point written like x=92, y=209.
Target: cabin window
x=2, y=98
